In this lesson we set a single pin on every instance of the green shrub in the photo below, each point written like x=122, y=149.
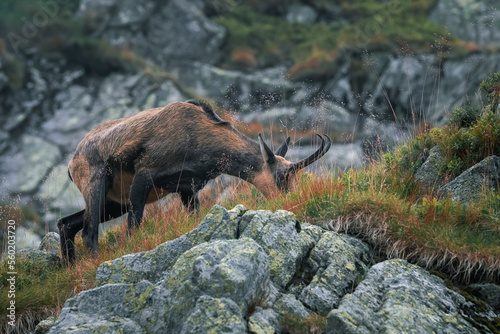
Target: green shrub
x=491, y=86
x=465, y=116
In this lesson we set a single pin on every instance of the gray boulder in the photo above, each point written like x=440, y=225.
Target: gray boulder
x=467, y=187
x=397, y=297
x=338, y=263
x=218, y=279
x=429, y=174
x=50, y=243
x=47, y=254
x=279, y=235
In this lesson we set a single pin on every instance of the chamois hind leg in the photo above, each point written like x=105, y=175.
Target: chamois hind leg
x=139, y=192
x=68, y=228
x=70, y=225
x=190, y=200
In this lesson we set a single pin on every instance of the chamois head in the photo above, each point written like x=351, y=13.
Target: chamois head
x=282, y=171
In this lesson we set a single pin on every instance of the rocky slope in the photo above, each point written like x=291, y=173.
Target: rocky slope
x=245, y=271
x=62, y=98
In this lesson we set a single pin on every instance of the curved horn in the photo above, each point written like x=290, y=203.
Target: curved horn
x=321, y=151
x=281, y=151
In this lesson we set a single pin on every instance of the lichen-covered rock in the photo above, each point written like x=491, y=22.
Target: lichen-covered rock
x=114, y=308
x=279, y=234
x=219, y=278
x=338, y=264
x=264, y=321
x=289, y=307
x=39, y=258
x=234, y=269
x=429, y=174
x=44, y=326
x=214, y=315
x=219, y=223
x=397, y=297
x=467, y=187
x=50, y=243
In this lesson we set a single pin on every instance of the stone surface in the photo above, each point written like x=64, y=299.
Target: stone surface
x=214, y=315
x=489, y=292
x=178, y=28
x=474, y=21
x=39, y=258
x=397, y=297
x=467, y=187
x=339, y=263
x=279, y=235
x=264, y=321
x=218, y=279
x=44, y=325
x=219, y=223
x=288, y=307
x=429, y=174
x=50, y=243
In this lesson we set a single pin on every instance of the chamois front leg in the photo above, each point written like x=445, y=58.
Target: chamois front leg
x=95, y=199
x=139, y=192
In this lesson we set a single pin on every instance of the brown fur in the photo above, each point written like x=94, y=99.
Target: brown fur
x=123, y=164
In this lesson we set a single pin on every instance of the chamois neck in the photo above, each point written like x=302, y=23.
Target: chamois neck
x=246, y=163
x=249, y=165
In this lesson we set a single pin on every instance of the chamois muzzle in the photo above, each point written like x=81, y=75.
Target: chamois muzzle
x=326, y=142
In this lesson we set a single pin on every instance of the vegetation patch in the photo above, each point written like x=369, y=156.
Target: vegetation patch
x=314, y=324
x=313, y=51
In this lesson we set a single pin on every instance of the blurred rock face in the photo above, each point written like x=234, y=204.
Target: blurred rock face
x=472, y=20
x=42, y=122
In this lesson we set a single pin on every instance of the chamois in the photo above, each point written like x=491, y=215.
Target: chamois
x=123, y=164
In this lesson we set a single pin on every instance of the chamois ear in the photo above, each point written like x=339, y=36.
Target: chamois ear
x=281, y=151
x=267, y=154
